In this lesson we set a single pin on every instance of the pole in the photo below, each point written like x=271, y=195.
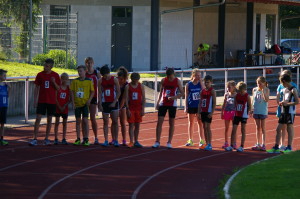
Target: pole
x=30, y=32
x=67, y=37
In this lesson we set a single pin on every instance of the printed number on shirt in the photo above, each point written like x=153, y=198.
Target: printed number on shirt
x=47, y=84
x=107, y=92
x=63, y=95
x=80, y=94
x=203, y=103
x=196, y=96
x=286, y=96
x=258, y=96
x=134, y=96
x=239, y=107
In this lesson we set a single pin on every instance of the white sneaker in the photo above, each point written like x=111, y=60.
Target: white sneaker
x=169, y=145
x=33, y=143
x=240, y=149
x=156, y=145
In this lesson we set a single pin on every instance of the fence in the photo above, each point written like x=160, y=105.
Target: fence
x=24, y=89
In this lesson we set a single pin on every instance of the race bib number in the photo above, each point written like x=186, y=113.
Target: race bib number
x=239, y=107
x=203, y=103
x=47, y=84
x=286, y=96
x=80, y=94
x=107, y=92
x=135, y=96
x=196, y=96
x=168, y=92
x=258, y=96
x=63, y=95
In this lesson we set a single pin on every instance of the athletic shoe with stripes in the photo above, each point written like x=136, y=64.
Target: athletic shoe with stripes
x=240, y=149
x=156, y=145
x=96, y=142
x=229, y=148
x=77, y=142
x=33, y=143
x=105, y=144
x=208, y=148
x=64, y=142
x=3, y=143
x=138, y=145
x=273, y=150
x=47, y=142
x=169, y=145
x=189, y=143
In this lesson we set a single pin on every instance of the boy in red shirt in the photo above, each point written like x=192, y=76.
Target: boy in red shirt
x=46, y=84
x=62, y=102
x=135, y=105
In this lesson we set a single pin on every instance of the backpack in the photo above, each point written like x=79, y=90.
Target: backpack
x=276, y=49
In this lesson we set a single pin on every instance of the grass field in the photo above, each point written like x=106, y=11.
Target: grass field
x=277, y=177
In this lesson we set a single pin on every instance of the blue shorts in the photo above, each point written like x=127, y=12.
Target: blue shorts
x=259, y=116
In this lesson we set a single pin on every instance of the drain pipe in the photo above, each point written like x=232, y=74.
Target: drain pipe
x=194, y=7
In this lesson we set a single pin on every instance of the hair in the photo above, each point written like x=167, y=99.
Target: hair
x=104, y=70
x=231, y=83
x=64, y=75
x=241, y=86
x=88, y=59
x=196, y=70
x=2, y=71
x=49, y=61
x=170, y=71
x=81, y=66
x=288, y=72
x=122, y=72
x=135, y=76
x=285, y=78
x=208, y=78
x=262, y=80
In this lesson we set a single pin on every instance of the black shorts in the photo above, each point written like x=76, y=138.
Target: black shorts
x=237, y=120
x=286, y=118
x=3, y=115
x=84, y=111
x=204, y=117
x=64, y=116
x=107, y=109
x=94, y=100
x=42, y=108
x=162, y=111
x=192, y=110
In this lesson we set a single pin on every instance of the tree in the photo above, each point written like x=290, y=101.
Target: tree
x=289, y=11
x=17, y=12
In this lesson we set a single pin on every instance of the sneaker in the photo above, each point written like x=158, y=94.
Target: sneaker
x=225, y=145
x=86, y=142
x=77, y=142
x=202, y=147
x=112, y=142
x=138, y=145
x=124, y=143
x=64, y=142
x=33, y=143
x=256, y=147
x=201, y=143
x=189, y=143
x=282, y=148
x=116, y=143
x=208, y=147
x=263, y=148
x=96, y=142
x=287, y=150
x=234, y=146
x=169, y=145
x=47, y=142
x=105, y=144
x=156, y=145
x=56, y=142
x=240, y=149
x=3, y=143
x=229, y=148
x=130, y=145
x=273, y=150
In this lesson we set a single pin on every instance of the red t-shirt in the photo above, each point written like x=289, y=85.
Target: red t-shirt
x=206, y=100
x=94, y=77
x=108, y=89
x=135, y=97
x=63, y=97
x=169, y=89
x=47, y=89
x=241, y=105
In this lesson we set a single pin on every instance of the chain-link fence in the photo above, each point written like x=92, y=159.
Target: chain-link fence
x=55, y=36
x=290, y=34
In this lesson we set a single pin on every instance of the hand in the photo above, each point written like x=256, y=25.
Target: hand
x=53, y=79
x=172, y=98
x=128, y=113
x=157, y=106
x=209, y=115
x=185, y=110
x=284, y=103
x=142, y=112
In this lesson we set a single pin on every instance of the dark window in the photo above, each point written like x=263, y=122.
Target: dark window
x=122, y=12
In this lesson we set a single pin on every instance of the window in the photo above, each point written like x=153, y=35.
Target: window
x=270, y=31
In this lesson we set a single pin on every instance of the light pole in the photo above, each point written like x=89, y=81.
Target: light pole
x=30, y=31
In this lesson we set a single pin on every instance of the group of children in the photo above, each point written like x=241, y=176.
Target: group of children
x=118, y=99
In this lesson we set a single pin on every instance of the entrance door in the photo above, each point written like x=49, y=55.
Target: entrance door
x=121, y=37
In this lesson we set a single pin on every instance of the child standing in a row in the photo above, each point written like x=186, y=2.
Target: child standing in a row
x=4, y=90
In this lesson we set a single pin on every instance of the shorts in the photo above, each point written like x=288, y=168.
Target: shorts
x=237, y=120
x=63, y=115
x=286, y=118
x=3, y=115
x=42, y=108
x=162, y=111
x=107, y=109
x=204, y=117
x=94, y=101
x=135, y=117
x=84, y=111
x=260, y=116
x=192, y=110
x=228, y=115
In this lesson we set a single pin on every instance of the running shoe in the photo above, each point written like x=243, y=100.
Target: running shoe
x=124, y=143
x=225, y=145
x=282, y=148
x=169, y=145
x=234, y=146
x=64, y=142
x=33, y=143
x=240, y=149
x=229, y=148
x=138, y=145
x=202, y=147
x=116, y=143
x=130, y=145
x=77, y=142
x=263, y=147
x=47, y=142
x=86, y=142
x=3, y=143
x=156, y=145
x=56, y=142
x=105, y=144
x=96, y=142
x=208, y=148
x=287, y=150
x=189, y=143
x=202, y=142
x=273, y=150
x=112, y=142
x=256, y=147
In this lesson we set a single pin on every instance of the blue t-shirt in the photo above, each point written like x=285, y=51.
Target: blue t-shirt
x=280, y=90
x=3, y=96
x=260, y=106
x=194, y=94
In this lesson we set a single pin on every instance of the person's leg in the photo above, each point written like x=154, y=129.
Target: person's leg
x=278, y=134
x=85, y=124
x=37, y=125
x=283, y=134
x=78, y=127
x=136, y=131
x=191, y=126
x=208, y=130
x=2, y=131
x=105, y=125
x=258, y=131
x=159, y=124
x=93, y=109
x=227, y=123
x=131, y=132
x=290, y=131
x=200, y=128
x=65, y=120
x=243, y=130
x=171, y=129
x=122, y=114
x=114, y=124
x=263, y=131
x=48, y=126
x=233, y=135
x=56, y=128
x=205, y=132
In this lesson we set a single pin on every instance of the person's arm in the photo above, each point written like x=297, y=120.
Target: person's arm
x=57, y=102
x=73, y=99
x=295, y=93
x=180, y=94
x=266, y=94
x=55, y=81
x=100, y=95
x=199, y=107
x=186, y=97
x=214, y=103
x=252, y=100
x=160, y=94
x=143, y=100
x=249, y=105
x=118, y=92
x=277, y=97
x=128, y=113
x=36, y=95
x=223, y=106
x=92, y=92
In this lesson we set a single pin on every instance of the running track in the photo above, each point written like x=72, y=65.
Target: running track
x=97, y=172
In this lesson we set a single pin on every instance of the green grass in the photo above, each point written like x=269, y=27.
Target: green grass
x=15, y=69
x=278, y=177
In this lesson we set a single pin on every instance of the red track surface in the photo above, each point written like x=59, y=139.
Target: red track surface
x=97, y=172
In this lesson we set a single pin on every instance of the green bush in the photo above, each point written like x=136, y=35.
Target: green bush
x=59, y=57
